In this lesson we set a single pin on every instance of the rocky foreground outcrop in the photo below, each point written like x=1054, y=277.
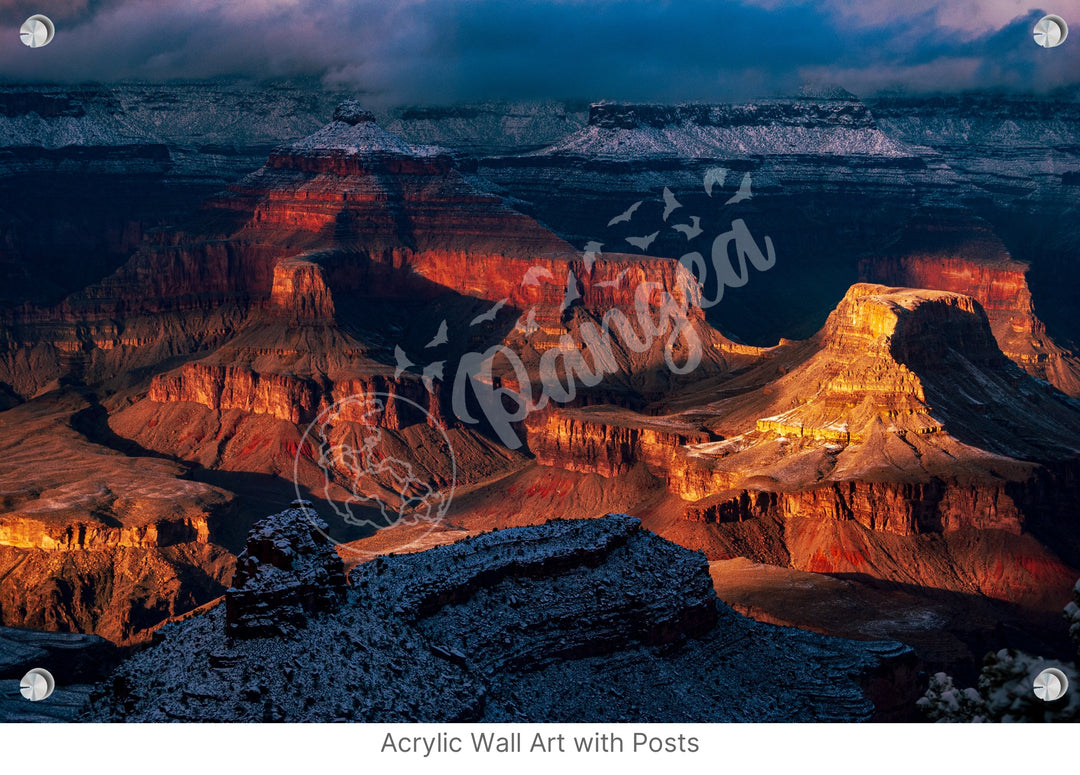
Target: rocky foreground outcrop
x=581, y=620
x=288, y=571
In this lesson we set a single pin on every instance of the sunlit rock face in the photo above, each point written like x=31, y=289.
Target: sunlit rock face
x=878, y=430
x=238, y=329
x=607, y=441
x=94, y=541
x=373, y=219
x=952, y=194
x=901, y=418
x=1019, y=153
x=300, y=291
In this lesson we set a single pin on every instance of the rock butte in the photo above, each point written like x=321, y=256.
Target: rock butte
x=894, y=424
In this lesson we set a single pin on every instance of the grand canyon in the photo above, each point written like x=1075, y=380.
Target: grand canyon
x=646, y=398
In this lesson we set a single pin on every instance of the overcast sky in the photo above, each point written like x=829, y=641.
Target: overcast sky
x=441, y=50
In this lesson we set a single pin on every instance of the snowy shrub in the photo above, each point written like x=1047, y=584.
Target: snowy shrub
x=944, y=702
x=1005, y=689
x=1072, y=615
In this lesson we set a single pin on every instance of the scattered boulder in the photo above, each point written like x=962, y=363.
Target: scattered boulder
x=351, y=112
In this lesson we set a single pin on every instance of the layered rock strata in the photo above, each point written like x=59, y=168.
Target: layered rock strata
x=388, y=237
x=968, y=258
x=75, y=661
x=608, y=441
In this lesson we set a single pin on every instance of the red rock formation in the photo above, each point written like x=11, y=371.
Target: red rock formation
x=376, y=218
x=606, y=441
x=300, y=291
x=27, y=533
x=967, y=258
x=224, y=387
x=249, y=325
x=903, y=421
x=349, y=210
x=892, y=507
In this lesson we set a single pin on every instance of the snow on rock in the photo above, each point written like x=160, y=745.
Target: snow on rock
x=487, y=128
x=1009, y=146
x=354, y=132
x=496, y=628
x=351, y=112
x=1072, y=615
x=288, y=570
x=76, y=661
x=697, y=131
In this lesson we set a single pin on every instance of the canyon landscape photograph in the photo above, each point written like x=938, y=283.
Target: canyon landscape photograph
x=540, y=363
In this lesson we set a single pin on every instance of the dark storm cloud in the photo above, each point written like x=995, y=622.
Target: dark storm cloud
x=435, y=50
x=1006, y=58
x=634, y=51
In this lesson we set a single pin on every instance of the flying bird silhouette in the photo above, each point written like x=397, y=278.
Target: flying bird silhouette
x=671, y=204
x=714, y=176
x=490, y=315
x=642, y=243
x=532, y=277
x=432, y=372
x=591, y=249
x=625, y=216
x=688, y=231
x=530, y=325
x=572, y=294
x=743, y=193
x=439, y=338
x=612, y=283
x=403, y=361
